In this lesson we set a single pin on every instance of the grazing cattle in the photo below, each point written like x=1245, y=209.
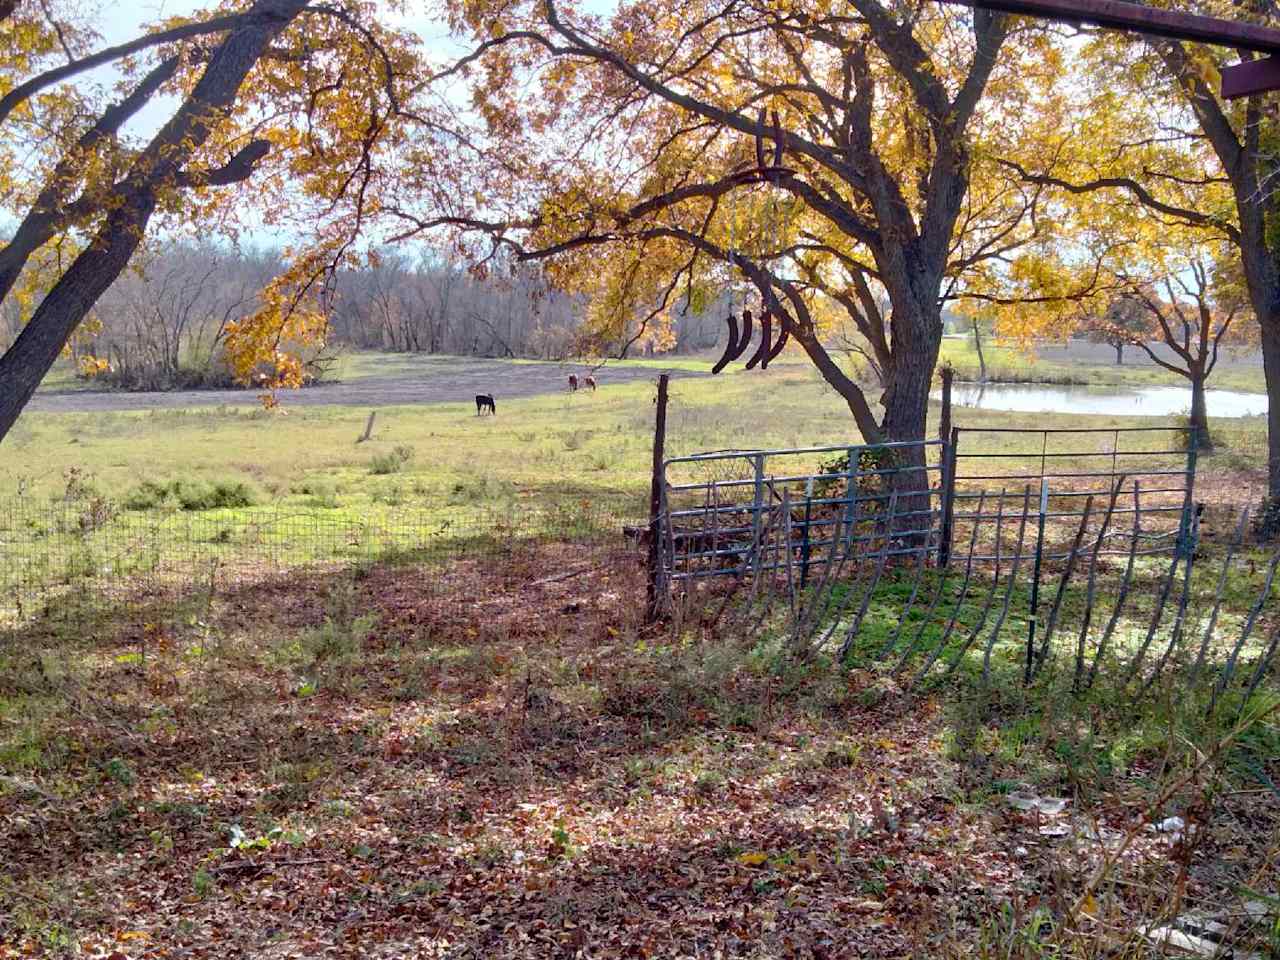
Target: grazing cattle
x=591, y=382
x=483, y=400
x=573, y=383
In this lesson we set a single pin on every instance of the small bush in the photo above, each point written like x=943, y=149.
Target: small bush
x=182, y=494
x=330, y=648
x=322, y=492
x=80, y=486
x=393, y=462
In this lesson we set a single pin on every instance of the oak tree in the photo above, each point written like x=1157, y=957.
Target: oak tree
x=619, y=151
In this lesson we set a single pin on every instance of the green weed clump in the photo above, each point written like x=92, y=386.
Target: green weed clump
x=184, y=494
x=393, y=462
x=328, y=651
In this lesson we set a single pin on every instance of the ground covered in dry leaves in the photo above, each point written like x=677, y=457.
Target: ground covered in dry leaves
x=313, y=768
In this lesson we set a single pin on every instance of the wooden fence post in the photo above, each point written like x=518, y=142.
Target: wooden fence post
x=656, y=600
x=948, y=437
x=948, y=374
x=949, y=451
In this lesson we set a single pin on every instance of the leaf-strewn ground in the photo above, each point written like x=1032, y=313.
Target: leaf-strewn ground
x=346, y=768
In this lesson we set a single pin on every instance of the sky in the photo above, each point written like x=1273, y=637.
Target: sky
x=122, y=21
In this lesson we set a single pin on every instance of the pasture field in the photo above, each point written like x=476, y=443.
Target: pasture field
x=545, y=444
x=491, y=755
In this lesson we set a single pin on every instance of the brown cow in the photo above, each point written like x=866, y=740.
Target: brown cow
x=573, y=382
x=591, y=382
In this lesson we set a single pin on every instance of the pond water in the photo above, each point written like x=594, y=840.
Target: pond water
x=1103, y=401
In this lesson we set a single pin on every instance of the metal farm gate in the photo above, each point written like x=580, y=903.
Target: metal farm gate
x=738, y=512
x=791, y=511
x=1121, y=484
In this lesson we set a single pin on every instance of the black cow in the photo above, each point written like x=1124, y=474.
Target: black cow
x=484, y=400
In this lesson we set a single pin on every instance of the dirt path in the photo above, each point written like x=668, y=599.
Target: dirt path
x=435, y=380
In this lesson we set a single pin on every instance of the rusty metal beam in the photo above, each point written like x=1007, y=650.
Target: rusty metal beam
x=1141, y=18
x=1251, y=76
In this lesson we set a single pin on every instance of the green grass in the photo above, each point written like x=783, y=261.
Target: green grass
x=596, y=448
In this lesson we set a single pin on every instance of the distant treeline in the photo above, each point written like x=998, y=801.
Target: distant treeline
x=432, y=303
x=163, y=324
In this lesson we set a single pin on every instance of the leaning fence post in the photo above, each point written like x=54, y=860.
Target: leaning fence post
x=1035, y=583
x=804, y=543
x=656, y=601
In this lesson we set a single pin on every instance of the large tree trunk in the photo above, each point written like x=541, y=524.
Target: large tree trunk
x=917, y=337
x=24, y=364
x=1263, y=281
x=1199, y=419
x=1271, y=368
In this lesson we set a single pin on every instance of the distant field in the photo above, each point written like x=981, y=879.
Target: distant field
x=371, y=381
x=544, y=443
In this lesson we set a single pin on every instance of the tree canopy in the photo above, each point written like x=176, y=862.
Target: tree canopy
x=636, y=134
x=307, y=99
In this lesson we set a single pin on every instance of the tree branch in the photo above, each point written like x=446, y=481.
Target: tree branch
x=1139, y=192
x=239, y=167
x=25, y=91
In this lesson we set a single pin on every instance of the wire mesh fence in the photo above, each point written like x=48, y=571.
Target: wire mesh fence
x=70, y=563
x=837, y=551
